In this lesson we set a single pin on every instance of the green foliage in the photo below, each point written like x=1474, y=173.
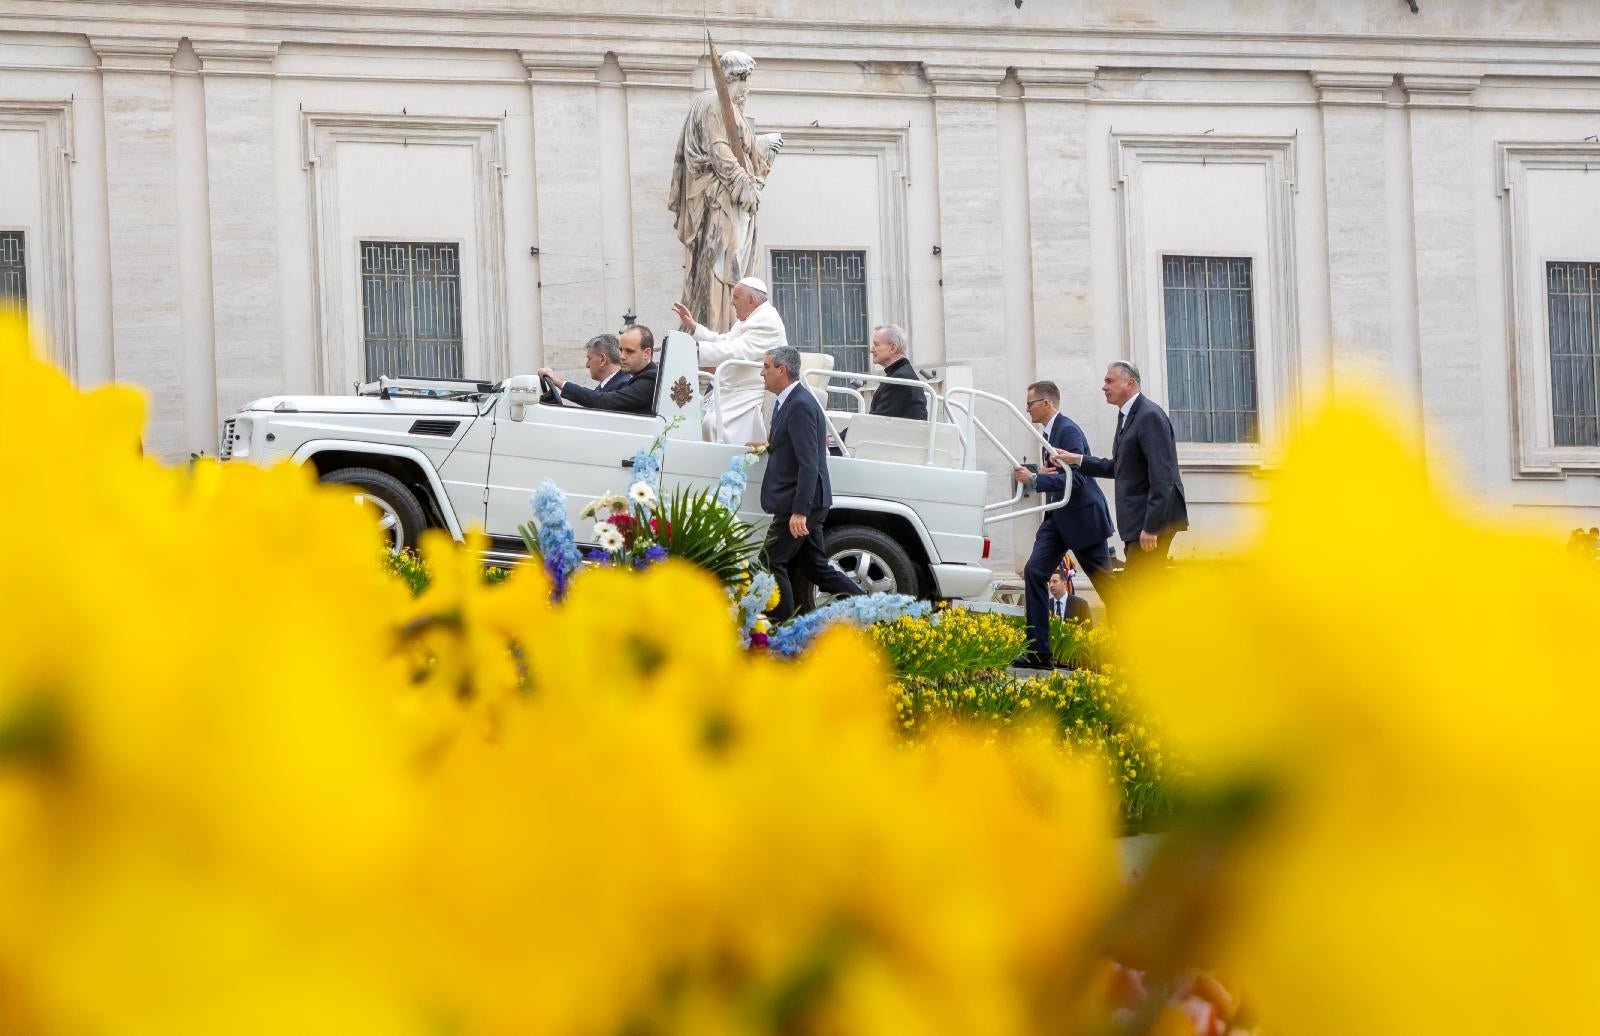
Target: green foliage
x=960, y=641
x=409, y=566
x=1089, y=712
x=699, y=530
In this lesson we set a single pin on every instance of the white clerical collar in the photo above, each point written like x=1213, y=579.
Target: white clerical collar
x=783, y=397
x=1128, y=406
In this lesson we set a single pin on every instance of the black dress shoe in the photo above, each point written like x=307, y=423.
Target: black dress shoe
x=1029, y=660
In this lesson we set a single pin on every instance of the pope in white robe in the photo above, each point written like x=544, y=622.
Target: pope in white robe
x=733, y=413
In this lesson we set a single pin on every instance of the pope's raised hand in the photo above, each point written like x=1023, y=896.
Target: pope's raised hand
x=685, y=318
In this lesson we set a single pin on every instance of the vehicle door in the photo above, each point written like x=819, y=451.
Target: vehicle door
x=587, y=453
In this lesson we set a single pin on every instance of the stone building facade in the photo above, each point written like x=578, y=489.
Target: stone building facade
x=1259, y=203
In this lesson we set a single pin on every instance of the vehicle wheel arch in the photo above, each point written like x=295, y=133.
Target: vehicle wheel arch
x=411, y=467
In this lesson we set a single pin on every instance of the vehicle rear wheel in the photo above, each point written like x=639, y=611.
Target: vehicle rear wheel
x=396, y=508
x=871, y=559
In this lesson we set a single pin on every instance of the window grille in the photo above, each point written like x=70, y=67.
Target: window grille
x=14, y=267
x=1574, y=294
x=411, y=309
x=822, y=297
x=1211, y=352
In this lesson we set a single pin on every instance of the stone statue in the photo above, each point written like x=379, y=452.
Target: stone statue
x=715, y=197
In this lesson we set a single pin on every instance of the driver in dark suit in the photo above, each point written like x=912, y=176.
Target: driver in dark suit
x=602, y=358
x=637, y=347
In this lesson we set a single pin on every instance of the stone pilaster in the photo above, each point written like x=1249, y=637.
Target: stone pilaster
x=1056, y=112
x=569, y=193
x=142, y=211
x=966, y=124
x=1442, y=160
x=660, y=88
x=246, y=300
x=1361, y=249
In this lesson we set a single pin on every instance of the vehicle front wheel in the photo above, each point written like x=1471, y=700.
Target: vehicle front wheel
x=872, y=559
x=395, y=507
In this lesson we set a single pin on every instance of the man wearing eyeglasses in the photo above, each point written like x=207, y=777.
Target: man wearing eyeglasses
x=1082, y=526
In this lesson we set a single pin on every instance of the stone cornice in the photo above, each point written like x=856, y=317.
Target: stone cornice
x=134, y=53
x=1055, y=84
x=1352, y=89
x=655, y=69
x=554, y=67
x=964, y=82
x=236, y=57
x=1440, y=91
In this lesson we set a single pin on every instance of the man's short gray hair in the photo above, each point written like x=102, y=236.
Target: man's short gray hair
x=787, y=357
x=895, y=335
x=736, y=64
x=1128, y=370
x=606, y=345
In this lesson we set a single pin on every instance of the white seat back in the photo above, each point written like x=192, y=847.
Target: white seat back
x=903, y=440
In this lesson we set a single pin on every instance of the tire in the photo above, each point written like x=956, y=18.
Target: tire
x=400, y=512
x=873, y=560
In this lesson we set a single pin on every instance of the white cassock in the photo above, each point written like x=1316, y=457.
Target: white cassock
x=740, y=390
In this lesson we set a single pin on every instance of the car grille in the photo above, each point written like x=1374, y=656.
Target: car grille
x=229, y=437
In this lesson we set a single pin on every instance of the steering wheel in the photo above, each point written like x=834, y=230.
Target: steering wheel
x=549, y=394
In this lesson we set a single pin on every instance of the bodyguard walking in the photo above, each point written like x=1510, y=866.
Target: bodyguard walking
x=1083, y=525
x=795, y=489
x=1144, y=464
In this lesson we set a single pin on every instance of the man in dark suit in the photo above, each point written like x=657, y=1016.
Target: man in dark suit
x=638, y=396
x=1082, y=526
x=795, y=489
x=1062, y=603
x=1144, y=463
x=602, y=358
x=888, y=350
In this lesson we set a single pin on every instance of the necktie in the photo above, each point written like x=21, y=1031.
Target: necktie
x=1121, y=417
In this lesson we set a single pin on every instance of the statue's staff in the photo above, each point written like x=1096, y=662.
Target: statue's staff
x=728, y=121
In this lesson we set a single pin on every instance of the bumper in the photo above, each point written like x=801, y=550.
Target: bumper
x=963, y=582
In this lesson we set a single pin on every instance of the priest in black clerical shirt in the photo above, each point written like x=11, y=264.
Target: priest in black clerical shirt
x=889, y=400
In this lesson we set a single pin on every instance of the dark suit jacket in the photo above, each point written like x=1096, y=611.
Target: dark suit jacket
x=638, y=396
x=1144, y=462
x=1086, y=520
x=900, y=400
x=618, y=380
x=796, y=481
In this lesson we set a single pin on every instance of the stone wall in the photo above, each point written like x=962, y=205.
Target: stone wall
x=193, y=177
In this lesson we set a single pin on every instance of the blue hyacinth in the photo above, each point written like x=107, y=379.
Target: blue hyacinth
x=556, y=542
x=796, y=635
x=647, y=468
x=749, y=607
x=731, y=486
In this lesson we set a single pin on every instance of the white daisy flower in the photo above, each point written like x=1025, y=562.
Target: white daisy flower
x=607, y=537
x=642, y=494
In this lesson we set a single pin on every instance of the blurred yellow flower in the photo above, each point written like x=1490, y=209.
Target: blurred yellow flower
x=1427, y=745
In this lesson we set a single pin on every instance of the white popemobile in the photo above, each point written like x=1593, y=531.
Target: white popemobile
x=909, y=510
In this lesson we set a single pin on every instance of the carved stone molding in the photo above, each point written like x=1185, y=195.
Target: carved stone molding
x=670, y=70
x=1437, y=91
x=53, y=307
x=1534, y=453
x=1352, y=89
x=235, y=57
x=1277, y=359
x=1055, y=84
x=964, y=82
x=135, y=53
x=569, y=69
x=890, y=146
x=338, y=358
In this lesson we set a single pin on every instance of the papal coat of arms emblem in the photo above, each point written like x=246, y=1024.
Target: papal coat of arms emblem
x=681, y=392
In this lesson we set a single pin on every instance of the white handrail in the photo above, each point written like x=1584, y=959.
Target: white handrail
x=927, y=389
x=977, y=394
x=716, y=406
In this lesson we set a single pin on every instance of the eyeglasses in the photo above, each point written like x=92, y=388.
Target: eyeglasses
x=1033, y=403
